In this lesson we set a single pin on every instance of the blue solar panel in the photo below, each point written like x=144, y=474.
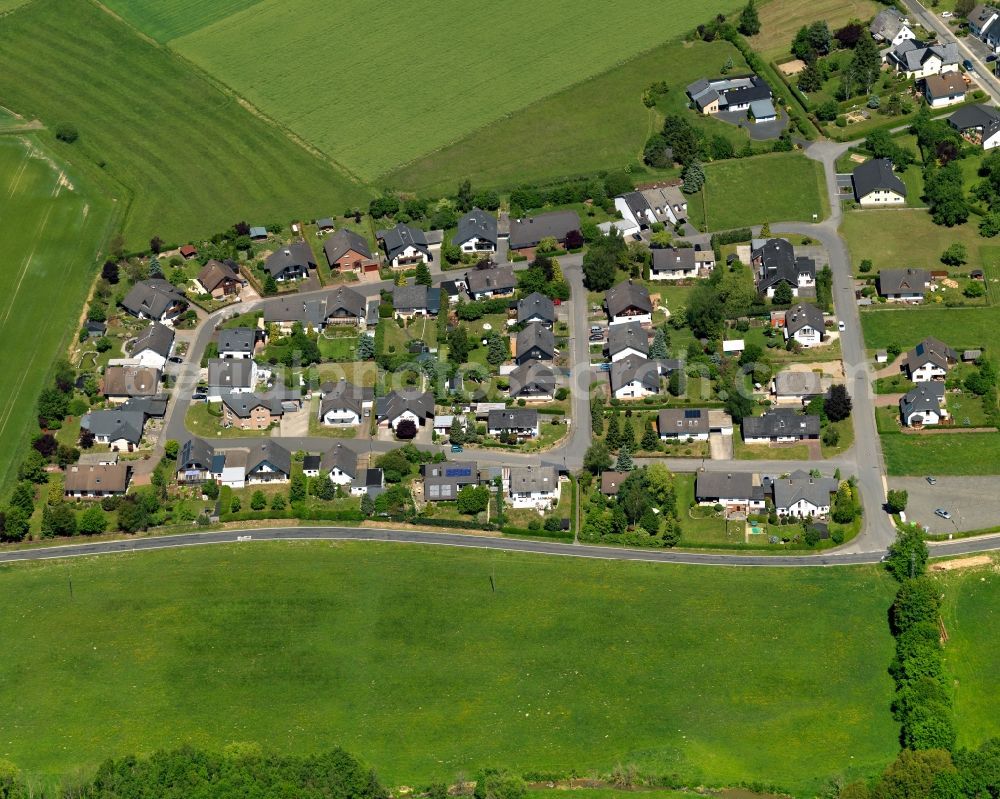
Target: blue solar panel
x=692, y=414
x=464, y=472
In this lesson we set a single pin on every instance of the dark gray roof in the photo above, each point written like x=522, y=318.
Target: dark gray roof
x=682, y=421
x=229, y=373
x=338, y=303
x=194, y=454
x=926, y=397
x=627, y=335
x=267, y=450
x=536, y=305
x=532, y=378
x=295, y=256
x=981, y=15
x=343, y=302
x=876, y=175
x=397, y=239
x=324, y=223
x=911, y=54
x=148, y=406
x=533, y=479
x=443, y=481
x=627, y=295
x=393, y=404
x=930, y=350
x=633, y=368
x=903, y=281
x=803, y=315
x=215, y=272
x=535, y=342
x=670, y=259
x=344, y=241
x=417, y=298
x=342, y=458
x=237, y=339
x=781, y=422
x=985, y=117
x=801, y=485
x=152, y=298
x=115, y=423
x=727, y=485
x=156, y=338
x=477, y=224
x=776, y=262
x=887, y=23
x=512, y=419
x=243, y=403
x=529, y=230
x=311, y=463
x=638, y=205
x=495, y=278
x=346, y=395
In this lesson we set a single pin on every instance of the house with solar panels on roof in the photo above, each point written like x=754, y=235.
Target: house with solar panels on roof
x=443, y=481
x=683, y=424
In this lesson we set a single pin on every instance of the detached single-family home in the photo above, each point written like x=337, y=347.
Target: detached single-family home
x=237, y=342
x=122, y=382
x=802, y=495
x=291, y=262
x=344, y=403
x=876, y=184
x=251, y=411
x=682, y=424
x=345, y=306
x=267, y=462
x=735, y=491
x=804, y=325
x=230, y=374
x=477, y=232
x=633, y=377
x=521, y=422
x=945, y=89
x=628, y=340
x=340, y=306
x=673, y=263
x=417, y=406
x=774, y=261
x=779, y=426
x=526, y=232
x=904, y=285
x=536, y=307
x=491, y=281
x=220, y=279
x=611, y=482
x=368, y=481
x=891, y=27
x=259, y=462
x=155, y=299
x=95, y=481
x=153, y=346
x=796, y=386
x=917, y=60
x=347, y=251
x=534, y=487
x=983, y=24
x=736, y=93
x=929, y=360
x=118, y=428
x=628, y=302
x=443, y=481
x=923, y=405
x=978, y=124
x=194, y=461
x=415, y=300
x=535, y=343
x=404, y=246
x=532, y=381
x=340, y=464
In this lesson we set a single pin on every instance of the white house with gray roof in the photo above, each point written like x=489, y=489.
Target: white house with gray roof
x=804, y=325
x=521, y=422
x=875, y=184
x=627, y=340
x=633, y=377
x=802, y=495
x=477, y=232
x=891, y=27
x=526, y=232
x=405, y=246
x=291, y=262
x=536, y=307
x=153, y=346
x=682, y=424
x=917, y=60
x=673, y=263
x=533, y=487
x=237, y=343
x=734, y=491
x=345, y=404
x=231, y=375
x=924, y=405
x=628, y=302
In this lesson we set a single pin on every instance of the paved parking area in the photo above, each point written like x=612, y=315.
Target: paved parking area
x=294, y=424
x=974, y=502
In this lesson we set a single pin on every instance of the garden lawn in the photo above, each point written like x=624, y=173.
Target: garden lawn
x=962, y=328
x=780, y=187
x=201, y=421
x=942, y=453
x=185, y=159
x=571, y=665
x=55, y=226
x=781, y=19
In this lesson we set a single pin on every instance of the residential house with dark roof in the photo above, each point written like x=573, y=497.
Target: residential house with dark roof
x=536, y=307
x=347, y=251
x=443, y=481
x=978, y=124
x=983, y=24
x=923, y=405
x=533, y=487
x=220, y=279
x=417, y=406
x=155, y=299
x=340, y=464
x=404, y=246
x=802, y=495
x=291, y=262
x=415, y=300
x=876, y=184
x=117, y=428
x=267, y=462
x=491, y=281
x=521, y=422
x=526, y=232
x=917, y=60
x=122, y=382
x=237, y=342
x=96, y=481
x=929, y=360
x=735, y=491
x=904, y=285
x=477, y=232
x=153, y=346
x=673, y=263
x=338, y=306
x=945, y=89
x=535, y=343
x=194, y=461
x=454, y=289
x=252, y=411
x=891, y=27
x=731, y=93
x=238, y=375
x=344, y=403
x=683, y=424
x=324, y=224
x=633, y=377
x=804, y=325
x=368, y=481
x=627, y=340
x=774, y=261
x=532, y=381
x=628, y=302
x=778, y=426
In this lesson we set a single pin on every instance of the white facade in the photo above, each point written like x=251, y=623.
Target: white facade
x=927, y=372
x=266, y=474
x=477, y=244
x=233, y=476
x=339, y=477
x=628, y=352
x=673, y=435
x=803, y=508
x=340, y=416
x=882, y=197
x=536, y=499
x=149, y=358
x=404, y=415
x=644, y=319
x=932, y=66
x=409, y=257
x=634, y=390
x=904, y=34
x=681, y=273
x=735, y=503
x=925, y=417
x=807, y=336
x=522, y=432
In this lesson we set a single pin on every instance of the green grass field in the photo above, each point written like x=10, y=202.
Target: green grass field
x=954, y=453
x=164, y=20
x=373, y=99
x=54, y=228
x=597, y=124
x=190, y=159
x=572, y=665
x=780, y=19
x=781, y=187
x=963, y=328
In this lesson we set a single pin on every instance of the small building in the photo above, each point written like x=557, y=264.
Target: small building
x=763, y=110
x=489, y=281
x=454, y=289
x=683, y=424
x=978, y=124
x=520, y=422
x=187, y=251
x=627, y=340
x=929, y=360
x=96, y=481
x=904, y=285
x=971, y=356
x=534, y=487
x=292, y=262
x=348, y=252
x=153, y=346
x=945, y=89
x=119, y=429
x=155, y=299
x=258, y=233
x=237, y=342
x=673, y=263
x=477, y=232
x=628, y=302
x=370, y=482
x=536, y=307
x=527, y=232
x=875, y=184
x=802, y=495
x=325, y=224
x=736, y=93
x=219, y=279
x=923, y=405
x=780, y=426
x=535, y=343
x=404, y=246
x=804, y=325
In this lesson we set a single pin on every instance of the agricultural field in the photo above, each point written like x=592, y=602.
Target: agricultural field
x=786, y=187
x=164, y=20
x=462, y=71
x=186, y=157
x=941, y=453
x=54, y=230
x=781, y=19
x=598, y=124
x=571, y=665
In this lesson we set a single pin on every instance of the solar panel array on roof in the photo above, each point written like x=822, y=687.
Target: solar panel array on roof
x=920, y=349
x=692, y=414
x=461, y=472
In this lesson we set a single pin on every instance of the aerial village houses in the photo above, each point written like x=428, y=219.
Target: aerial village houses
x=802, y=495
x=344, y=403
x=416, y=406
x=929, y=360
x=491, y=281
x=904, y=285
x=237, y=342
x=477, y=232
x=749, y=93
x=527, y=232
x=891, y=27
x=627, y=340
x=153, y=346
x=348, y=252
x=534, y=487
x=923, y=405
x=536, y=307
x=876, y=184
x=291, y=262
x=405, y=246
x=227, y=375
x=535, y=343
x=804, y=325
x=683, y=424
x=415, y=300
x=780, y=426
x=978, y=124
x=532, y=381
x=520, y=422
x=673, y=263
x=443, y=481
x=122, y=382
x=628, y=302
x=741, y=492
x=155, y=299
x=917, y=60
x=96, y=481
x=340, y=464
x=797, y=386
x=945, y=89
x=633, y=377
x=339, y=306
x=983, y=25
x=642, y=209
x=219, y=279
x=251, y=411
x=774, y=261
x=119, y=429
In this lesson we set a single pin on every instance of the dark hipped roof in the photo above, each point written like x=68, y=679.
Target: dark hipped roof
x=152, y=298
x=628, y=335
x=116, y=423
x=295, y=256
x=416, y=297
x=632, y=368
x=777, y=262
x=397, y=239
x=627, y=295
x=156, y=338
x=229, y=373
x=237, y=339
x=512, y=419
x=976, y=116
x=529, y=230
x=420, y=403
x=532, y=378
x=728, y=485
x=477, y=224
x=535, y=338
x=900, y=281
x=494, y=278
x=781, y=422
x=876, y=175
x=535, y=305
x=926, y=397
x=345, y=395
x=670, y=259
x=803, y=315
x=344, y=241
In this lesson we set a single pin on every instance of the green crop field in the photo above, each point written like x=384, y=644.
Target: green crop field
x=54, y=228
x=404, y=655
x=781, y=187
x=191, y=160
x=164, y=20
x=373, y=99
x=598, y=124
x=942, y=453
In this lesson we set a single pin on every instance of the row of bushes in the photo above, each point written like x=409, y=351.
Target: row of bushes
x=302, y=514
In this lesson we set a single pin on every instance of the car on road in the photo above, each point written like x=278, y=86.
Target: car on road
x=604, y=367
x=457, y=448
x=841, y=326
x=175, y=359
x=932, y=480
x=991, y=57
x=967, y=64
x=942, y=513
x=199, y=395
x=597, y=337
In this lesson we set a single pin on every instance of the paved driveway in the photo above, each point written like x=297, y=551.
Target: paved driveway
x=974, y=502
x=295, y=423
